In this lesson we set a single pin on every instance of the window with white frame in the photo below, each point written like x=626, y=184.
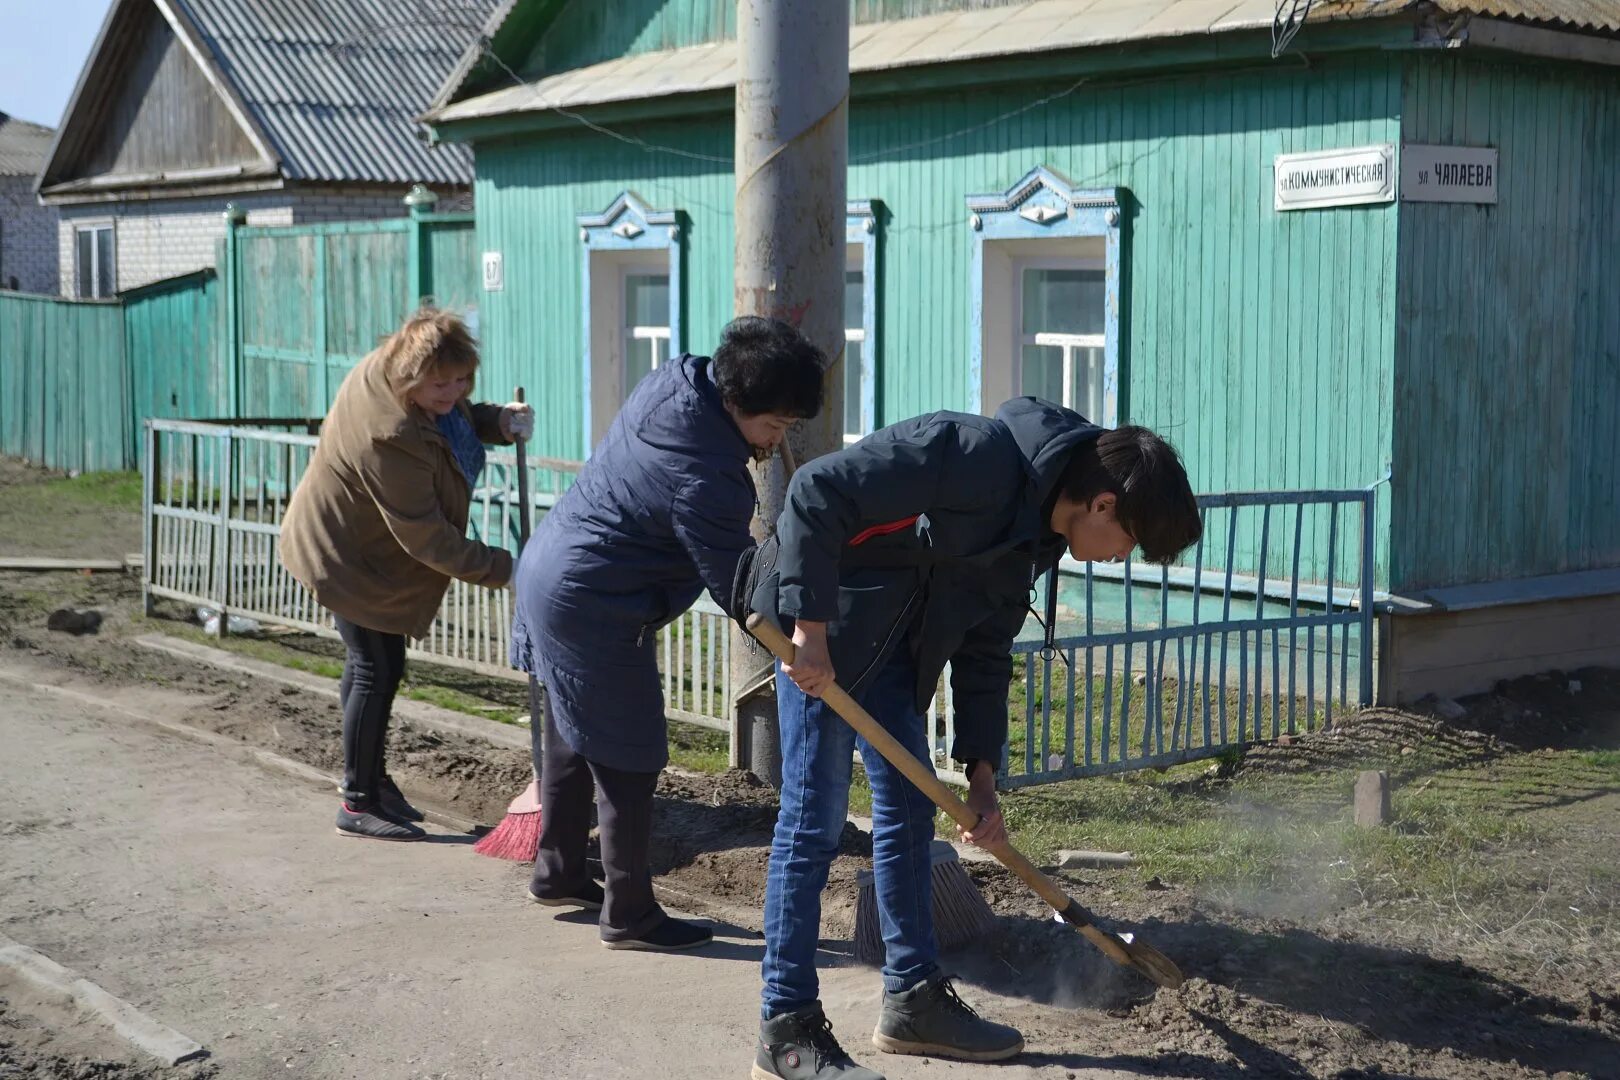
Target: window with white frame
x=94, y=270
x=1061, y=336
x=645, y=344
x=1045, y=287
x=861, y=236
x=632, y=284
x=855, y=427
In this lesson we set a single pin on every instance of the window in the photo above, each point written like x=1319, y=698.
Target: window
x=1061, y=336
x=854, y=354
x=645, y=344
x=93, y=265
x=632, y=286
x=1045, y=281
x=860, y=318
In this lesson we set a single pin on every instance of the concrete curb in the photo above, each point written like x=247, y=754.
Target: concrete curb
x=264, y=758
x=140, y=1030
x=418, y=712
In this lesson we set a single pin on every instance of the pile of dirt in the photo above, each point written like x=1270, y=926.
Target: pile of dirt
x=32, y=1050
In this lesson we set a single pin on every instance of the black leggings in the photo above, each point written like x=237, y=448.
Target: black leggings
x=371, y=676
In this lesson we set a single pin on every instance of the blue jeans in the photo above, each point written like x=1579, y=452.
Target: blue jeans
x=817, y=755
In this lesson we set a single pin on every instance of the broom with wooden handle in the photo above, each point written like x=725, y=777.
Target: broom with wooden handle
x=1122, y=950
x=517, y=837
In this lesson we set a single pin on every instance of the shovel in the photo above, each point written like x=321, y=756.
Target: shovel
x=1121, y=949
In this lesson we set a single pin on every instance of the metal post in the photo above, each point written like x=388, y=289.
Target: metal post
x=792, y=152
x=235, y=218
x=149, y=525
x=1367, y=622
x=222, y=551
x=317, y=337
x=421, y=202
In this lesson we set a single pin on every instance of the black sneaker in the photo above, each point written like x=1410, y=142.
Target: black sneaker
x=800, y=1045
x=368, y=824
x=932, y=1019
x=391, y=801
x=588, y=897
x=671, y=935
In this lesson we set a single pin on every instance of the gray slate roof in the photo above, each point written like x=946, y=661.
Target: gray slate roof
x=336, y=85
x=23, y=146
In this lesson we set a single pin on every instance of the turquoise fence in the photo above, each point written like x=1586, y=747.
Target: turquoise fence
x=271, y=334
x=64, y=383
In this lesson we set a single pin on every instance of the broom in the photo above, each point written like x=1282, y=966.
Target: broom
x=517, y=837
x=960, y=913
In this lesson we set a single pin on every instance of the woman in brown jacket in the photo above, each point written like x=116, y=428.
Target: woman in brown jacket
x=378, y=527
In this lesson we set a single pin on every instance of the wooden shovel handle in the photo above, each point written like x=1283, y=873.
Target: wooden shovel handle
x=838, y=699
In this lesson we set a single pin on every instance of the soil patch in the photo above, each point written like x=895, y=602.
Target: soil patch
x=44, y=512
x=1332, y=993
x=55, y=1043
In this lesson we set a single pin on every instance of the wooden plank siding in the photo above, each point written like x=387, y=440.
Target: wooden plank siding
x=165, y=116
x=1507, y=388
x=1260, y=342
x=63, y=382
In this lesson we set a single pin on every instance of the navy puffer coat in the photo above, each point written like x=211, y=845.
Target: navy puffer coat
x=659, y=512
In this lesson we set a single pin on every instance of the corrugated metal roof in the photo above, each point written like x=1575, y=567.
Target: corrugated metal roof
x=1039, y=26
x=336, y=85
x=1580, y=14
x=23, y=146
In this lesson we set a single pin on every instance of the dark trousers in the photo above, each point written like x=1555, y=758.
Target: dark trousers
x=371, y=676
x=624, y=802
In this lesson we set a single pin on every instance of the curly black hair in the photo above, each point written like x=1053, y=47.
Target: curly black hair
x=766, y=366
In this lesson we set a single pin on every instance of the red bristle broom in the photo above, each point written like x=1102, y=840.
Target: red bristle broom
x=517, y=837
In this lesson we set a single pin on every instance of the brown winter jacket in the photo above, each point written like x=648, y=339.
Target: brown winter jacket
x=378, y=525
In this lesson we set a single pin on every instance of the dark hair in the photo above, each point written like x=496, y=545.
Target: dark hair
x=1155, y=503
x=766, y=366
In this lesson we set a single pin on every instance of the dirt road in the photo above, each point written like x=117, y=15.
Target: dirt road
x=213, y=895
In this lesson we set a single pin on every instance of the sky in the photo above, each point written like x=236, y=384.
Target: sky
x=43, y=46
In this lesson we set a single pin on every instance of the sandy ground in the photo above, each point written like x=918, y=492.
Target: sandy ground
x=215, y=896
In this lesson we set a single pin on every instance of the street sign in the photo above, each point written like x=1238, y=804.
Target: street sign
x=1454, y=174
x=1349, y=177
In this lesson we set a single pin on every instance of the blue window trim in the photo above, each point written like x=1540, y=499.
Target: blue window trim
x=861, y=220
x=628, y=224
x=1045, y=205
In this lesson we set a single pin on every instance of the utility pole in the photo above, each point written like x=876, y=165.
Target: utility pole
x=792, y=155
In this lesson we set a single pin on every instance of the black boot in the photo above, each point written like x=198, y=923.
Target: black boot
x=587, y=897
x=931, y=1019
x=800, y=1045
x=368, y=824
x=391, y=801
x=671, y=935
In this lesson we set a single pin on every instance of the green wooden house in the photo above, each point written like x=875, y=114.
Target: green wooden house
x=1389, y=249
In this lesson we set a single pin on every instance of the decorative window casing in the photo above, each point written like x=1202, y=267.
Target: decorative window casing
x=860, y=319
x=1045, y=283
x=633, y=294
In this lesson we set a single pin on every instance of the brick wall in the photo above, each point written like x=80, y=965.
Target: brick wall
x=28, y=243
x=162, y=238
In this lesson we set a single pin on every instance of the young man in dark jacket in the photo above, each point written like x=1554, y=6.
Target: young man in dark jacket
x=918, y=546
x=659, y=512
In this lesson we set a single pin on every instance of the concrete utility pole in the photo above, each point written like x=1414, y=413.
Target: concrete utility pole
x=792, y=154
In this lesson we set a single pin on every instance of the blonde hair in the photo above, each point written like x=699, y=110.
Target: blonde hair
x=431, y=344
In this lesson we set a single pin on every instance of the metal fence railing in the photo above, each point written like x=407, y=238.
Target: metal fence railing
x=1169, y=666
x=214, y=498
x=1188, y=661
